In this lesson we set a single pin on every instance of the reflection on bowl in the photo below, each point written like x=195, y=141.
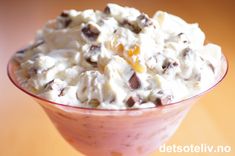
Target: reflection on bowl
x=102, y=132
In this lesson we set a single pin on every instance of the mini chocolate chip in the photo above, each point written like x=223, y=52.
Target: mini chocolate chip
x=113, y=100
x=132, y=100
x=61, y=92
x=160, y=92
x=91, y=32
x=165, y=65
x=19, y=56
x=21, y=51
x=38, y=43
x=180, y=34
x=144, y=20
x=67, y=22
x=182, y=37
x=64, y=14
x=142, y=101
x=175, y=64
x=163, y=100
x=169, y=64
x=201, y=58
x=186, y=52
x=134, y=81
x=107, y=10
x=33, y=71
x=95, y=48
x=134, y=28
x=158, y=102
x=48, y=84
x=211, y=66
x=94, y=64
x=35, y=45
x=197, y=77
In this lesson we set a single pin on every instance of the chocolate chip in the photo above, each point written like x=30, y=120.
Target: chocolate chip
x=113, y=100
x=64, y=14
x=48, y=85
x=132, y=100
x=134, y=28
x=19, y=56
x=134, y=81
x=211, y=66
x=35, y=45
x=33, y=71
x=144, y=20
x=160, y=92
x=95, y=48
x=38, y=43
x=163, y=100
x=93, y=63
x=61, y=92
x=186, y=52
x=183, y=37
x=53, y=85
x=22, y=51
x=165, y=65
x=197, y=77
x=158, y=102
x=201, y=58
x=180, y=34
x=91, y=32
x=107, y=10
x=67, y=22
x=175, y=64
x=169, y=64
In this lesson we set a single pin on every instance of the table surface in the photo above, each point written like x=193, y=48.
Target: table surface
x=25, y=129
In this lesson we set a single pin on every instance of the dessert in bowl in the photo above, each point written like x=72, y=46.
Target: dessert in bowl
x=117, y=82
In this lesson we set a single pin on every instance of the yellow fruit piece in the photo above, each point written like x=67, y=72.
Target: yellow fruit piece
x=134, y=51
x=94, y=102
x=120, y=48
x=138, y=67
x=130, y=53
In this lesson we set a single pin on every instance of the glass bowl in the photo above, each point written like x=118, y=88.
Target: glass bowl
x=106, y=132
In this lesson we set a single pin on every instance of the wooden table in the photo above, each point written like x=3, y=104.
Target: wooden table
x=25, y=130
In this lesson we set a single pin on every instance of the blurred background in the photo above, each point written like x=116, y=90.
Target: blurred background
x=25, y=129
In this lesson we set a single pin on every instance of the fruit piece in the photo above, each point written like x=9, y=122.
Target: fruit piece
x=119, y=48
x=138, y=67
x=134, y=51
x=94, y=102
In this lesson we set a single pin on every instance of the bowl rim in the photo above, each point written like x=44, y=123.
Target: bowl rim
x=223, y=75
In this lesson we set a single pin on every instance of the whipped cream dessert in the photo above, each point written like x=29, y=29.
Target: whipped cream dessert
x=119, y=58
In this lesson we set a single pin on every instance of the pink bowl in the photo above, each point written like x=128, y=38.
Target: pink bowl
x=102, y=132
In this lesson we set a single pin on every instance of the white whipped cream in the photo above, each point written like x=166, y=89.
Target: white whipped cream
x=118, y=58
